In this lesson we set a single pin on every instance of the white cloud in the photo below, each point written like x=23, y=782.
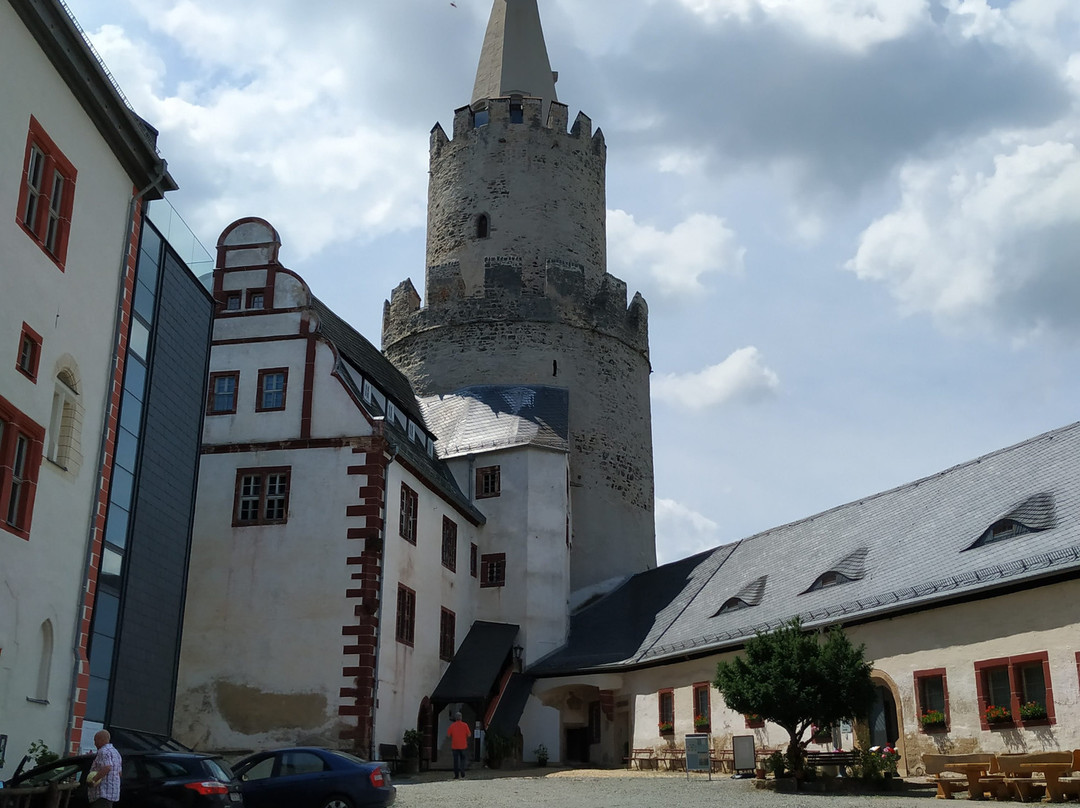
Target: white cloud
x=682, y=532
x=675, y=261
x=971, y=242
x=850, y=24
x=741, y=377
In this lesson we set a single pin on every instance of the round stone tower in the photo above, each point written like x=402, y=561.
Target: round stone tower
x=517, y=289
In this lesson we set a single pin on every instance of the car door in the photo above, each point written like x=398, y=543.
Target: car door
x=302, y=779
x=257, y=781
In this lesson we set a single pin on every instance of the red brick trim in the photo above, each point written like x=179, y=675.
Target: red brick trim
x=32, y=339
x=253, y=340
x=82, y=676
x=281, y=445
x=920, y=708
x=607, y=704
x=55, y=163
x=308, y=396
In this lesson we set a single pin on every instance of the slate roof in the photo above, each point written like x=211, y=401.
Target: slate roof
x=486, y=417
x=476, y=666
x=902, y=549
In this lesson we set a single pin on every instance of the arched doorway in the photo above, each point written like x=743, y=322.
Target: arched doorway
x=885, y=722
x=425, y=724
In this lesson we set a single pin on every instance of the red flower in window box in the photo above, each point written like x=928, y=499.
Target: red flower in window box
x=997, y=715
x=666, y=727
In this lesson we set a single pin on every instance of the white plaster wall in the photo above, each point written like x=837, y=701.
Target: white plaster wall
x=74, y=312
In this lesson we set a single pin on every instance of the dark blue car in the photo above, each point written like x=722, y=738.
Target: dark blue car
x=311, y=777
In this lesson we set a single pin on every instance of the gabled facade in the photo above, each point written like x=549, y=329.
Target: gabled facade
x=93, y=404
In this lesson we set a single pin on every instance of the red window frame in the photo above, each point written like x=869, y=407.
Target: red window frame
x=919, y=677
x=260, y=395
x=407, y=514
x=43, y=218
x=488, y=482
x=1013, y=665
x=29, y=356
x=703, y=710
x=211, y=393
x=665, y=710
x=447, y=630
x=449, y=544
x=232, y=298
x=493, y=569
x=474, y=567
x=241, y=496
x=405, y=623
x=22, y=443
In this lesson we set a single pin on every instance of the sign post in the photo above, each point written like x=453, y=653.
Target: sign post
x=698, y=754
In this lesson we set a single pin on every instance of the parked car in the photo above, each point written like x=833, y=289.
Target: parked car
x=312, y=777
x=147, y=780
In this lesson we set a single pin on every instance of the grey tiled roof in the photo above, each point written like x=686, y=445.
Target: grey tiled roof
x=486, y=417
x=904, y=548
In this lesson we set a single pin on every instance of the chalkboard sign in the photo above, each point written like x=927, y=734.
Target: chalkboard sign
x=743, y=746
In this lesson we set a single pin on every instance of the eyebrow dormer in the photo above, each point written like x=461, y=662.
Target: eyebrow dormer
x=749, y=595
x=1034, y=514
x=851, y=567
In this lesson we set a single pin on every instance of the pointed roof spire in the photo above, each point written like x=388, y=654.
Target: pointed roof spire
x=514, y=59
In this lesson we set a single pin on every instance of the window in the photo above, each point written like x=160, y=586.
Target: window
x=29, y=353
x=262, y=496
x=932, y=699
x=732, y=605
x=827, y=579
x=473, y=565
x=493, y=569
x=595, y=712
x=449, y=544
x=406, y=615
x=488, y=482
x=47, y=194
x=1018, y=686
x=222, y=397
x=272, y=384
x=1000, y=531
x=702, y=710
x=65, y=423
x=256, y=298
x=21, y=442
x=447, y=623
x=483, y=226
x=232, y=301
x=407, y=516
x=666, y=704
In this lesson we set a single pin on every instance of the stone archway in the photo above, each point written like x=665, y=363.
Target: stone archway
x=885, y=724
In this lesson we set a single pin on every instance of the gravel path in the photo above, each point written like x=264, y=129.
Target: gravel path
x=621, y=789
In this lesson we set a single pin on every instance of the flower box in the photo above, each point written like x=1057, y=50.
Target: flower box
x=1032, y=711
x=666, y=727
x=933, y=721
x=998, y=715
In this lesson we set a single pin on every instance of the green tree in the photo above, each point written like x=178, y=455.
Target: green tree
x=797, y=680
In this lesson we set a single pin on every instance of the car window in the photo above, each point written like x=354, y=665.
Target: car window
x=128, y=769
x=62, y=773
x=295, y=762
x=260, y=771
x=218, y=769
x=160, y=769
x=346, y=756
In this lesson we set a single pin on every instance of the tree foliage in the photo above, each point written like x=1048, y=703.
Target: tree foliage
x=798, y=680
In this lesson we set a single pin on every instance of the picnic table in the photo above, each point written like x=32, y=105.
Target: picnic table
x=1053, y=772
x=977, y=780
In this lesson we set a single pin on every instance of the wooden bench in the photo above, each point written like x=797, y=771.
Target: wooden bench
x=644, y=758
x=844, y=759
x=388, y=754
x=948, y=783
x=1018, y=771
x=1060, y=784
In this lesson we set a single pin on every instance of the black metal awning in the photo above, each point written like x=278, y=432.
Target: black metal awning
x=480, y=659
x=512, y=704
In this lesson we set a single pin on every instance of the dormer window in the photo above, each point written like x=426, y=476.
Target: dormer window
x=483, y=226
x=827, y=579
x=851, y=567
x=732, y=605
x=749, y=595
x=1034, y=514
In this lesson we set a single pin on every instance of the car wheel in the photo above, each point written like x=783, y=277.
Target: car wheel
x=337, y=802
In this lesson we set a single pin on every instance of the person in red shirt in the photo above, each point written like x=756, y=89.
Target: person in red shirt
x=459, y=734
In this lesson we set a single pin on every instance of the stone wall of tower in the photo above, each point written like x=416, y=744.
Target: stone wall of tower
x=528, y=300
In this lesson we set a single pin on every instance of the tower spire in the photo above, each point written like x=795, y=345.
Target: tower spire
x=514, y=59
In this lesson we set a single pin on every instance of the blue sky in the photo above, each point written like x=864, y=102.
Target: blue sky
x=856, y=222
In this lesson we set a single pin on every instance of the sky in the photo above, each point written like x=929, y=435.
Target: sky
x=856, y=222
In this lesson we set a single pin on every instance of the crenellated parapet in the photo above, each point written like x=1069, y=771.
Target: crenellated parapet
x=511, y=292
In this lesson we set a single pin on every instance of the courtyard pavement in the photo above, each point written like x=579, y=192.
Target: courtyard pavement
x=618, y=788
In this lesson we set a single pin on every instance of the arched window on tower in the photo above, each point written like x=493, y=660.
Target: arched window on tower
x=517, y=112
x=65, y=422
x=483, y=226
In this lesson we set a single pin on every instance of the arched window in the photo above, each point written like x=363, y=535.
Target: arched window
x=483, y=226
x=65, y=422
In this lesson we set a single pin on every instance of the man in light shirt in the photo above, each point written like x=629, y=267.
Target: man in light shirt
x=104, y=777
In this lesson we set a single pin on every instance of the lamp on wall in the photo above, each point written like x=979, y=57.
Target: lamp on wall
x=517, y=651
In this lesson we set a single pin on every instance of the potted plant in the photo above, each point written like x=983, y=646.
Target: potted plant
x=754, y=721
x=997, y=715
x=701, y=723
x=1032, y=711
x=932, y=720
x=410, y=751
x=541, y=753
x=821, y=734
x=666, y=727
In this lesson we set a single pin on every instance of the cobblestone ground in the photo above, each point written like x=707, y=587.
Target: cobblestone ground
x=597, y=788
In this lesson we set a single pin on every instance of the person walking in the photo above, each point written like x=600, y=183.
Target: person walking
x=459, y=744
x=104, y=777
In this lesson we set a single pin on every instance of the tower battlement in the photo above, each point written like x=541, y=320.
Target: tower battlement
x=511, y=292
x=500, y=113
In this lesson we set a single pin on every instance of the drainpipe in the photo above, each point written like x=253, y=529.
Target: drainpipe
x=163, y=168
x=392, y=448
